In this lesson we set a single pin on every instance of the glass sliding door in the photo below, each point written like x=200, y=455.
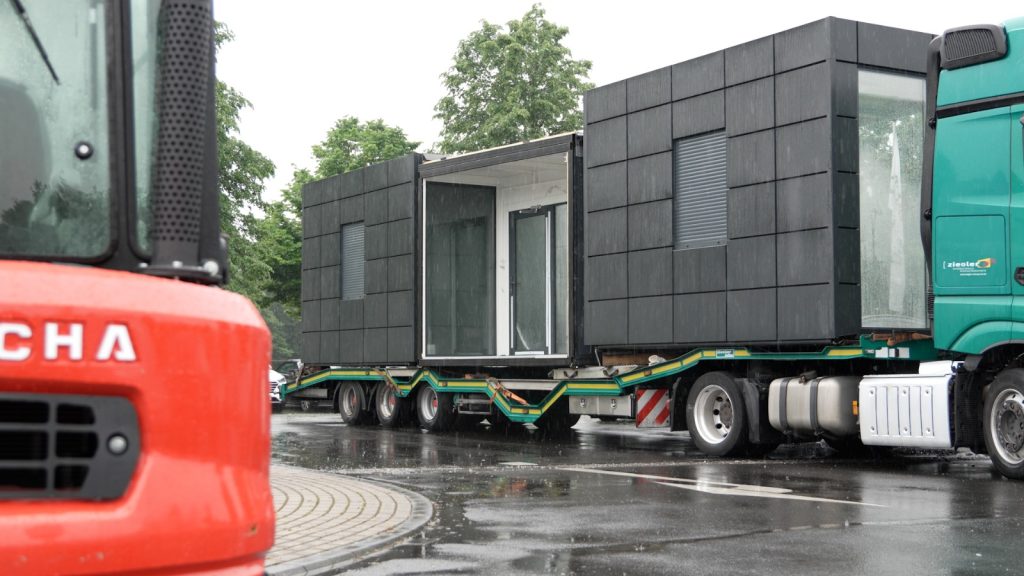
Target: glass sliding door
x=459, y=270
x=538, y=282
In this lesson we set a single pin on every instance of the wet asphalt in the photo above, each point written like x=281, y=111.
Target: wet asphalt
x=611, y=499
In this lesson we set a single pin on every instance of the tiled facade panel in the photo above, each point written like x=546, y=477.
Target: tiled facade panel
x=789, y=270
x=377, y=328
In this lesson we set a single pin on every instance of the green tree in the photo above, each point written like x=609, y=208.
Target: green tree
x=507, y=86
x=352, y=144
x=242, y=172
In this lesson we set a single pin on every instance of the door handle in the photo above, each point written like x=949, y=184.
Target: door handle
x=1018, y=275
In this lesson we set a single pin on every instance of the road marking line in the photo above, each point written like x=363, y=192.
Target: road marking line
x=720, y=488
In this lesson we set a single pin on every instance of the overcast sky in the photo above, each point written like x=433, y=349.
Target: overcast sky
x=306, y=63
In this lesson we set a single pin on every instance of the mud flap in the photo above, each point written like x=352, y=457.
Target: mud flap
x=755, y=398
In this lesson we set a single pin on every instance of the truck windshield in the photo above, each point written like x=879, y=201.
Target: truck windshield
x=54, y=132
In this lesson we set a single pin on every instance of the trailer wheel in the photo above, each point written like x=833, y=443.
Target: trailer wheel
x=352, y=405
x=716, y=416
x=391, y=410
x=436, y=412
x=557, y=419
x=1003, y=421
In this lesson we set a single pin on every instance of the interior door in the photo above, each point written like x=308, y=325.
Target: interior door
x=531, y=280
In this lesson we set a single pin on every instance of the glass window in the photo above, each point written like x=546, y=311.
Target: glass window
x=891, y=127
x=699, y=211
x=54, y=132
x=353, y=261
x=144, y=63
x=460, y=270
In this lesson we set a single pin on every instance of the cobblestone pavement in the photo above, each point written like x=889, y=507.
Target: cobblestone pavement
x=324, y=520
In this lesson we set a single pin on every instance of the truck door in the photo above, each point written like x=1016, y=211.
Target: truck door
x=1016, y=248
x=971, y=270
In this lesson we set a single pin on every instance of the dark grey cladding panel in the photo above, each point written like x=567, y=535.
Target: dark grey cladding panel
x=332, y=190
x=605, y=322
x=376, y=241
x=311, y=284
x=751, y=315
x=847, y=309
x=650, y=178
x=606, y=277
x=649, y=90
x=650, y=131
x=844, y=89
x=351, y=314
x=400, y=308
x=375, y=176
x=401, y=273
x=376, y=276
x=846, y=145
x=330, y=346
x=311, y=220
x=650, y=225
x=606, y=232
x=376, y=210
x=330, y=282
x=749, y=61
x=606, y=142
x=606, y=186
x=401, y=345
x=400, y=237
x=804, y=203
x=826, y=39
x=699, y=317
x=699, y=270
x=751, y=262
x=650, y=272
x=311, y=195
x=311, y=347
x=605, y=102
x=311, y=252
x=351, y=184
x=330, y=250
x=331, y=222
x=401, y=202
x=375, y=345
x=311, y=316
x=887, y=47
x=805, y=312
x=375, y=310
x=351, y=210
x=751, y=159
x=650, y=320
x=401, y=169
x=698, y=76
x=804, y=148
x=847, y=255
x=806, y=257
x=697, y=115
x=752, y=210
x=750, y=107
x=351, y=347
x=803, y=94
x=846, y=210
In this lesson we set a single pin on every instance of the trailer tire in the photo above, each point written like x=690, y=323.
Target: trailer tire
x=1003, y=423
x=557, y=419
x=435, y=412
x=390, y=409
x=351, y=401
x=716, y=416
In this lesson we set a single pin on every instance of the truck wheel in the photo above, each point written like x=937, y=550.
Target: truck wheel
x=715, y=415
x=436, y=412
x=352, y=403
x=305, y=405
x=1003, y=422
x=557, y=419
x=390, y=408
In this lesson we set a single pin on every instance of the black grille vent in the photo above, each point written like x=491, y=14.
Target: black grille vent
x=63, y=446
x=972, y=45
x=184, y=90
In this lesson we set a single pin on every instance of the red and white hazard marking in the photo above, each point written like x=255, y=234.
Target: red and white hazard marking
x=652, y=407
